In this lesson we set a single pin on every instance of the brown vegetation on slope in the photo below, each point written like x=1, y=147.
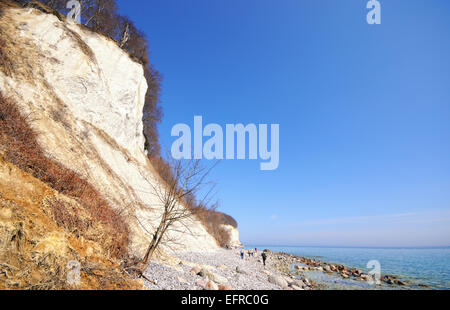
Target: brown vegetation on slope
x=20, y=147
x=38, y=245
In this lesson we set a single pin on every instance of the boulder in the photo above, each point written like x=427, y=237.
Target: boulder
x=211, y=286
x=289, y=281
x=224, y=288
x=358, y=272
x=278, y=280
x=328, y=269
x=297, y=288
x=398, y=282
x=201, y=273
x=213, y=277
x=298, y=283
x=342, y=268
x=201, y=283
x=239, y=270
x=217, y=278
x=195, y=270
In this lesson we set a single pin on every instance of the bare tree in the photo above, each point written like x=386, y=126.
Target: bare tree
x=125, y=35
x=187, y=178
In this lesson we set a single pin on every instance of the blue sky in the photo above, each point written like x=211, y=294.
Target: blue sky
x=364, y=112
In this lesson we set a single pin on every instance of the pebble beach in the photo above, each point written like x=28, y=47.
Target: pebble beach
x=225, y=270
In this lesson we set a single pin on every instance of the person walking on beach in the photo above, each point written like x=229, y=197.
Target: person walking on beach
x=264, y=257
x=242, y=254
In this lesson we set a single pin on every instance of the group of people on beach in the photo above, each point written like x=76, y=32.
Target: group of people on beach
x=251, y=253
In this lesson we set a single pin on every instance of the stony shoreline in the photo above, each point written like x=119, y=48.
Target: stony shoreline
x=225, y=270
x=291, y=265
x=219, y=270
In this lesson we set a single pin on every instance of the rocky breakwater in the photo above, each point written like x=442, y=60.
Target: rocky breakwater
x=294, y=267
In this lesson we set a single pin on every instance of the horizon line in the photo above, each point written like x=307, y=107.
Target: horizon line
x=350, y=247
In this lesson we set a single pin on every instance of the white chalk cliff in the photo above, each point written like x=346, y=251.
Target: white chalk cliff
x=233, y=234
x=86, y=97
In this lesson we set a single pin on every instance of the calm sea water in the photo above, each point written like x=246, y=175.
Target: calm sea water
x=430, y=266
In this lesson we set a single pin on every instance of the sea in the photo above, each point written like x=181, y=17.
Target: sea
x=421, y=267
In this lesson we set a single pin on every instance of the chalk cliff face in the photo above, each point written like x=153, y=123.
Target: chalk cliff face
x=85, y=99
x=233, y=234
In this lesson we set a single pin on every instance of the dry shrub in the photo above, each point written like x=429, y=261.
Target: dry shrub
x=19, y=142
x=163, y=168
x=43, y=8
x=5, y=62
x=211, y=219
x=8, y=4
x=35, y=253
x=68, y=216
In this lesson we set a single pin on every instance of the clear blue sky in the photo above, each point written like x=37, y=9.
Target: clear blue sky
x=364, y=112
